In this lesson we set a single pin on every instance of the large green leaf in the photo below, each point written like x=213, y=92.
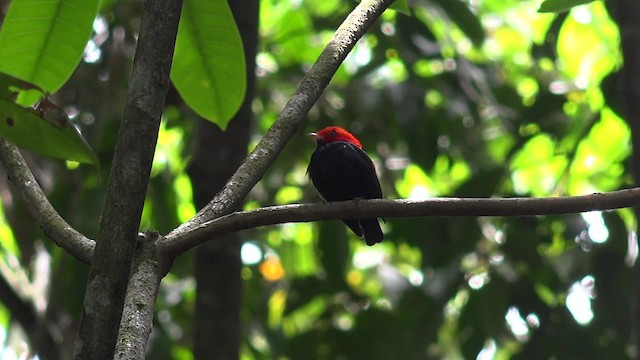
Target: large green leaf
x=42, y=41
x=28, y=130
x=208, y=65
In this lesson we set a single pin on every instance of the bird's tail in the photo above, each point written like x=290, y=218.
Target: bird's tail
x=354, y=225
x=371, y=231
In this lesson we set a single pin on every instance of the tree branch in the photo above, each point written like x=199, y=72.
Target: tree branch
x=128, y=181
x=291, y=117
x=242, y=220
x=53, y=225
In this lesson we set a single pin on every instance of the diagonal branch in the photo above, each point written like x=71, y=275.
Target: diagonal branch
x=292, y=116
x=242, y=220
x=39, y=206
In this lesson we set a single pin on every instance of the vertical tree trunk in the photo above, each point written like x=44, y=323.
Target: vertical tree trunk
x=626, y=13
x=128, y=181
x=217, y=155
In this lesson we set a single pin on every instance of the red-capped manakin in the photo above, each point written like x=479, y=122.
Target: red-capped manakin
x=340, y=170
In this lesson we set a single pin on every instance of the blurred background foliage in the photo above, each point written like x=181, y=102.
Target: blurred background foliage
x=464, y=98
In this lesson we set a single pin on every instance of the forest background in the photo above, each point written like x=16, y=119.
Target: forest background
x=451, y=98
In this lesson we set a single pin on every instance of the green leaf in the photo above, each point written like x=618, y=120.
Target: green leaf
x=41, y=42
x=208, y=65
x=8, y=86
x=28, y=130
x=401, y=6
x=459, y=12
x=558, y=6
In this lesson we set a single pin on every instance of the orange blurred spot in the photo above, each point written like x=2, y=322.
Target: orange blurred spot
x=272, y=269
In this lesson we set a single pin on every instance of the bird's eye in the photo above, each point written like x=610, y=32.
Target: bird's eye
x=333, y=133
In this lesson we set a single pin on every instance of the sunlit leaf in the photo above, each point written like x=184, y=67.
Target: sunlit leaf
x=8, y=243
x=588, y=45
x=558, y=6
x=169, y=149
x=179, y=352
x=325, y=8
x=28, y=130
x=416, y=184
x=536, y=167
x=292, y=243
x=288, y=195
x=291, y=26
x=596, y=163
x=42, y=42
x=208, y=65
x=184, y=197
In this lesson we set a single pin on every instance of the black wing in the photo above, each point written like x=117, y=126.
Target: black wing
x=342, y=171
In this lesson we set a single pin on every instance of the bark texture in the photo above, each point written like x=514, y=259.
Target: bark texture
x=120, y=221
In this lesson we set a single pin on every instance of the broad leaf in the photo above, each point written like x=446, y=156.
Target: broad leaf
x=208, y=65
x=25, y=128
x=41, y=42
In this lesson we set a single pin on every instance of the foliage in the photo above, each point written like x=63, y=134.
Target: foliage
x=208, y=69
x=38, y=60
x=492, y=100
x=42, y=43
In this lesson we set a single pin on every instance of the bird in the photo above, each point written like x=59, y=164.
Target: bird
x=340, y=170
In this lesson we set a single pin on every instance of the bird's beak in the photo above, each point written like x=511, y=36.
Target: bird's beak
x=313, y=136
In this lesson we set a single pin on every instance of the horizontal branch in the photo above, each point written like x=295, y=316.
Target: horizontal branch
x=243, y=220
x=36, y=202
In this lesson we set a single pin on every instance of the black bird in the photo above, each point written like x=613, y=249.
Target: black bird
x=340, y=170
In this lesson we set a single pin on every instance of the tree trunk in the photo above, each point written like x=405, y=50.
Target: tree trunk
x=626, y=13
x=217, y=156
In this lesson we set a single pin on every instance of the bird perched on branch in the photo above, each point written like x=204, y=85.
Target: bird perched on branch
x=340, y=170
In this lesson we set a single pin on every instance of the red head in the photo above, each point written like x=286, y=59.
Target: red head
x=335, y=133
